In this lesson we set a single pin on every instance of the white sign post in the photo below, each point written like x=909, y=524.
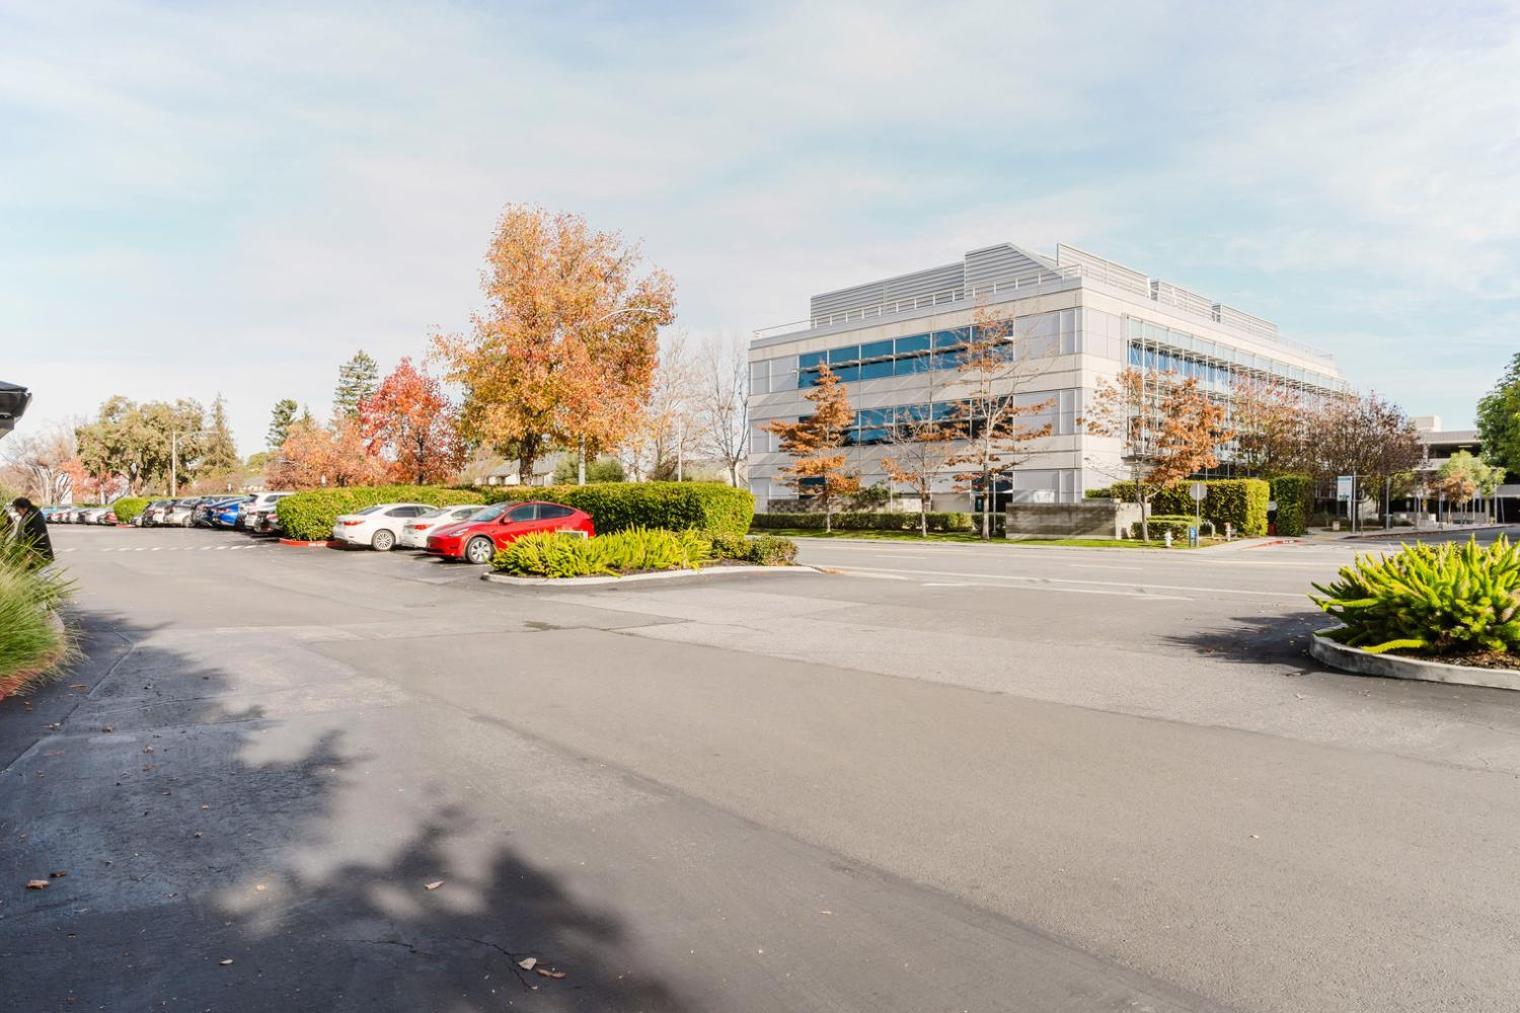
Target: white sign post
x=1198, y=491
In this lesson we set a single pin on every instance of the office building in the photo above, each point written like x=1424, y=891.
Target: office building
x=892, y=343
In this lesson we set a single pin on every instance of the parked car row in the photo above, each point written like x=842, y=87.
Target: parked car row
x=79, y=515
x=473, y=533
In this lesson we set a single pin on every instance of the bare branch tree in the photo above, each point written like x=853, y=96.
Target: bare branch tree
x=723, y=403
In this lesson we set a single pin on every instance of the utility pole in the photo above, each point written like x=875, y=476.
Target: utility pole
x=173, y=463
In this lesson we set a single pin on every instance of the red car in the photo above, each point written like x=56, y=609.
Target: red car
x=479, y=538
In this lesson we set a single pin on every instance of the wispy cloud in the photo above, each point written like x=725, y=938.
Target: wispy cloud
x=244, y=194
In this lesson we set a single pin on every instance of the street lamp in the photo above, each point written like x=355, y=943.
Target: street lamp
x=174, y=458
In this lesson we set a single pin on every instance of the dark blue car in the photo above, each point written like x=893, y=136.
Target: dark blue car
x=226, y=513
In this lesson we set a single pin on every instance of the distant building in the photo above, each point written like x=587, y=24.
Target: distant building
x=543, y=472
x=1441, y=444
x=893, y=344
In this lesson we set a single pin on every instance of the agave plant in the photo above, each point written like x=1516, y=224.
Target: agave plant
x=1436, y=599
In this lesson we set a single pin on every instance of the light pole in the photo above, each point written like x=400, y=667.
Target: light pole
x=174, y=458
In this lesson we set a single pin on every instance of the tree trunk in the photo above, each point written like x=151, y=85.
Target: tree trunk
x=923, y=515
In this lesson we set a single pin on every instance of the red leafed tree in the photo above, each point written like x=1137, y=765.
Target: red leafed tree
x=313, y=456
x=410, y=423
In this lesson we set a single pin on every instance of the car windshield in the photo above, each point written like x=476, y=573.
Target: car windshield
x=435, y=512
x=369, y=509
x=490, y=513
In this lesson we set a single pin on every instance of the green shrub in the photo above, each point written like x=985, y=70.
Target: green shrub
x=1239, y=502
x=763, y=550
x=34, y=643
x=1295, y=502
x=1160, y=524
x=884, y=521
x=617, y=506
x=632, y=550
x=128, y=507
x=310, y=515
x=1436, y=599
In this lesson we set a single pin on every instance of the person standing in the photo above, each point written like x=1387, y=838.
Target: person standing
x=32, y=528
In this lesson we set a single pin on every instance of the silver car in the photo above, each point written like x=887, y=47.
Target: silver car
x=414, y=533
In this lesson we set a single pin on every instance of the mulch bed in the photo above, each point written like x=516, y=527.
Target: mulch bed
x=1485, y=659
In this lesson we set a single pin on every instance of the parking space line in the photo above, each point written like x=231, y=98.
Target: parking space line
x=1072, y=580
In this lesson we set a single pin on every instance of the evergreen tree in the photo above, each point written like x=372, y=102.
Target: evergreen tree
x=358, y=378
x=219, y=454
x=279, y=425
x=1499, y=420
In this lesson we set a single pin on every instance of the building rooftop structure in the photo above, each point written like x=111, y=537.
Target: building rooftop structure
x=1006, y=272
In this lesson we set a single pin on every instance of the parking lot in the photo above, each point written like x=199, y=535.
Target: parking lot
x=933, y=777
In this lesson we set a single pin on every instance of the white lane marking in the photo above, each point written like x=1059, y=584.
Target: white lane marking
x=155, y=548
x=1102, y=566
x=1072, y=580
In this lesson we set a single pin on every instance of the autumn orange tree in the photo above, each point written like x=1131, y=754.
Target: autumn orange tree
x=412, y=426
x=314, y=455
x=995, y=371
x=564, y=354
x=816, y=442
x=1272, y=424
x=1167, y=429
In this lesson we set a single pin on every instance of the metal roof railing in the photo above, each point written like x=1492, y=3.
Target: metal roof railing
x=1024, y=282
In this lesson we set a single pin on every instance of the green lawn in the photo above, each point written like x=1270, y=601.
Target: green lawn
x=968, y=537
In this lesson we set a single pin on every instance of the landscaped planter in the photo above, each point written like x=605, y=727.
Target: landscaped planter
x=301, y=543
x=1394, y=666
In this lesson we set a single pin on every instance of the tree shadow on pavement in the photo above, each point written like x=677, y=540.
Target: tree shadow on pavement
x=1280, y=638
x=196, y=860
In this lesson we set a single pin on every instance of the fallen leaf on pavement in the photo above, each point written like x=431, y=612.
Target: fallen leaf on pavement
x=260, y=888
x=224, y=963
x=435, y=884
x=36, y=884
x=548, y=973
x=57, y=875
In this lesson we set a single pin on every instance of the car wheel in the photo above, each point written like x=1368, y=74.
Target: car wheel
x=188, y=522
x=383, y=541
x=480, y=551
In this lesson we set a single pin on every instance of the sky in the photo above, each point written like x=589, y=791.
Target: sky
x=201, y=198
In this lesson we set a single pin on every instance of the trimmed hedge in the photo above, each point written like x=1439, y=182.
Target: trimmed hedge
x=883, y=521
x=632, y=550
x=128, y=507
x=618, y=506
x=763, y=550
x=1295, y=502
x=1160, y=524
x=310, y=515
x=1239, y=502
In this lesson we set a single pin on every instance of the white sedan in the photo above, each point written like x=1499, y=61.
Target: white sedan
x=379, y=526
x=414, y=533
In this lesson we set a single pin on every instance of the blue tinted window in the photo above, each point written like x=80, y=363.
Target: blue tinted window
x=874, y=416
x=807, y=359
x=948, y=360
x=943, y=410
x=948, y=339
x=873, y=435
x=911, y=364
x=1134, y=355
x=847, y=373
x=876, y=370
x=807, y=378
x=849, y=353
x=915, y=343
x=876, y=349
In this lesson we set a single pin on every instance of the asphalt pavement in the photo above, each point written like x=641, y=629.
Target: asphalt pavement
x=933, y=777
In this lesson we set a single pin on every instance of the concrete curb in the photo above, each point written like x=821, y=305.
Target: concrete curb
x=297, y=543
x=1390, y=666
x=634, y=578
